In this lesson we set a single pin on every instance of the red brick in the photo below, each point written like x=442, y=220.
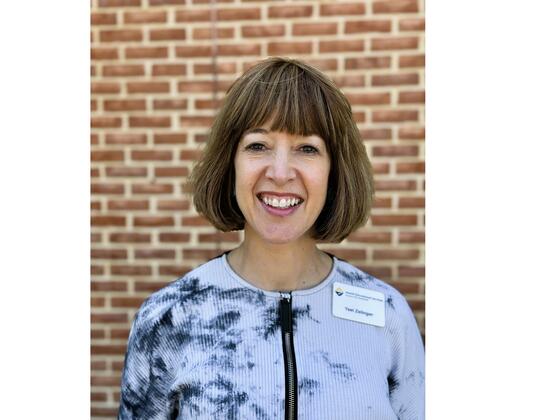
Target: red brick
x=410, y=167
x=98, y=396
x=370, y=237
x=411, y=272
x=209, y=33
x=193, y=51
x=147, y=87
x=411, y=202
x=95, y=205
x=361, y=26
x=125, y=138
x=196, y=87
x=180, y=104
x=166, y=2
x=121, y=35
x=151, y=221
x=174, y=171
x=366, y=63
x=151, y=286
x=125, y=171
x=111, y=318
x=169, y=70
x=192, y=15
x=129, y=204
x=129, y=237
x=103, y=19
x=221, y=68
x=173, y=270
x=173, y=205
x=239, y=50
x=104, y=411
x=105, y=188
x=104, y=53
x=200, y=121
x=350, y=81
x=412, y=97
x=286, y=11
x=123, y=70
x=109, y=254
x=152, y=155
x=376, y=134
x=377, y=271
x=395, y=6
x=174, y=237
x=202, y=254
x=262, y=31
x=381, y=168
x=105, y=122
x=395, y=185
x=396, y=254
x=411, y=237
x=219, y=237
x=238, y=14
x=382, y=202
x=108, y=221
x=172, y=34
x=102, y=87
x=323, y=64
x=108, y=286
x=98, y=365
x=194, y=221
x=119, y=3
x=315, y=28
x=394, y=220
x=108, y=349
x=150, y=16
x=105, y=381
x=188, y=154
x=341, y=46
x=369, y=98
x=395, y=151
x=146, y=52
x=411, y=25
x=406, y=287
x=126, y=302
x=359, y=117
x=286, y=48
x=407, y=61
x=395, y=116
x=154, y=253
x=149, y=121
x=207, y=103
x=411, y=133
x=396, y=43
x=152, y=189
x=170, y=138
x=348, y=254
x=124, y=105
x=121, y=333
x=95, y=237
x=96, y=334
x=107, y=155
x=343, y=9
x=395, y=79
x=130, y=270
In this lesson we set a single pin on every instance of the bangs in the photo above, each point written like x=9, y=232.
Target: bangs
x=285, y=96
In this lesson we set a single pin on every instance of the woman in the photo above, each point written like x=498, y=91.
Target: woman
x=277, y=328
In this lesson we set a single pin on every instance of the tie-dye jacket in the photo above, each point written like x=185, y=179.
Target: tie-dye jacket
x=208, y=346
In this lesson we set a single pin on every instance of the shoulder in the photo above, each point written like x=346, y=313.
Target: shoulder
x=396, y=303
x=192, y=288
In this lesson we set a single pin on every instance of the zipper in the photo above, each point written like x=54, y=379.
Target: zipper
x=290, y=371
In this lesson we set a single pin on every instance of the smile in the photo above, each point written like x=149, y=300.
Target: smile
x=277, y=206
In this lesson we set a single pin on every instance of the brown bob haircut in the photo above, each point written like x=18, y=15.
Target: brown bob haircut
x=298, y=99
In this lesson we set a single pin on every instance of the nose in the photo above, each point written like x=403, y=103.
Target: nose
x=280, y=168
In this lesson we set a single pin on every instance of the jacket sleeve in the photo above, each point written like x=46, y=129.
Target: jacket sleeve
x=148, y=371
x=406, y=378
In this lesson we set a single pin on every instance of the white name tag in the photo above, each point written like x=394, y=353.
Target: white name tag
x=358, y=304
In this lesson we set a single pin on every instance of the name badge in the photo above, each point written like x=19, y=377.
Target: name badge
x=358, y=304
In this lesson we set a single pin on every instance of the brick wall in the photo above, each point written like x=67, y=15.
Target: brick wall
x=160, y=67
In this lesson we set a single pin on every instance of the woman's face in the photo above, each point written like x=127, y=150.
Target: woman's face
x=280, y=183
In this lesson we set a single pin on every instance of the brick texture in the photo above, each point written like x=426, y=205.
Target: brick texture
x=159, y=70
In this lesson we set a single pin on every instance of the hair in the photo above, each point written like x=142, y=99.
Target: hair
x=300, y=100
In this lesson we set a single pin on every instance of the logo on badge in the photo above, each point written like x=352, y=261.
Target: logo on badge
x=339, y=291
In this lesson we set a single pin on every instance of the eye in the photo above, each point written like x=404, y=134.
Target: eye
x=308, y=149
x=255, y=147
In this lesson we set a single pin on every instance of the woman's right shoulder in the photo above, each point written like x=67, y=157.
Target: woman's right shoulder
x=185, y=290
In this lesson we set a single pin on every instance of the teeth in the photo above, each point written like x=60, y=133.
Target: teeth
x=282, y=203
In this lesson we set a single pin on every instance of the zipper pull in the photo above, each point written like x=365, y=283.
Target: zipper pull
x=286, y=312
x=286, y=295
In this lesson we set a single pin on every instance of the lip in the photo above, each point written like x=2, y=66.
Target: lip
x=278, y=194
x=279, y=212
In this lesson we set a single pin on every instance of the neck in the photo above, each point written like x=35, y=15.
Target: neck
x=280, y=267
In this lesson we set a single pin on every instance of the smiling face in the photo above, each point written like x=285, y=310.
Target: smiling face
x=280, y=184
